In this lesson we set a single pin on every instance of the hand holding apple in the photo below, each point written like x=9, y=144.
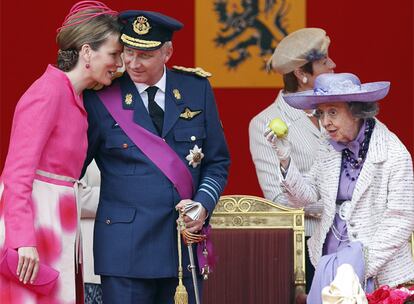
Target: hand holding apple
x=276, y=134
x=278, y=127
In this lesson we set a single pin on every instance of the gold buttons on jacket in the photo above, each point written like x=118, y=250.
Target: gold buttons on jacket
x=108, y=221
x=124, y=145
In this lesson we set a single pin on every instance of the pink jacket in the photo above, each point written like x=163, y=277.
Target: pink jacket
x=49, y=133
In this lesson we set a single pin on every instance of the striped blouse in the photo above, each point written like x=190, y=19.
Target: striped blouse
x=305, y=139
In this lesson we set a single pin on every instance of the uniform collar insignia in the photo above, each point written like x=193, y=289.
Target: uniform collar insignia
x=188, y=114
x=177, y=94
x=128, y=102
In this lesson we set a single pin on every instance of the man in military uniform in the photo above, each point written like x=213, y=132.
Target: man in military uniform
x=156, y=136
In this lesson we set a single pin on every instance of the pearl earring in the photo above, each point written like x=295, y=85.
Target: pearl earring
x=305, y=80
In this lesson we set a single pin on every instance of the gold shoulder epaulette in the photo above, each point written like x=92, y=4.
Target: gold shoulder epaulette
x=100, y=86
x=196, y=71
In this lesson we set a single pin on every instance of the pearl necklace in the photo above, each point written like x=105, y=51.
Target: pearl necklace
x=338, y=235
x=348, y=161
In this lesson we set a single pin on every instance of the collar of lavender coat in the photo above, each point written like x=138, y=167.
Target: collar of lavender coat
x=353, y=145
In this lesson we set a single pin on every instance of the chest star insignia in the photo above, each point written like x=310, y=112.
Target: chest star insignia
x=128, y=99
x=195, y=156
x=188, y=114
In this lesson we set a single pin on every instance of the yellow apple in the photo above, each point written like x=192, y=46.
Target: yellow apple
x=279, y=127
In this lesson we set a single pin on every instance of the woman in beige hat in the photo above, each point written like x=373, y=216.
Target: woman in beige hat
x=299, y=57
x=363, y=176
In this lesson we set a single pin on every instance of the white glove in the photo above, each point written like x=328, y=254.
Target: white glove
x=282, y=146
x=191, y=208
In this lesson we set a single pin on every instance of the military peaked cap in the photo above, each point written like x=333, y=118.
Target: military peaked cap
x=146, y=30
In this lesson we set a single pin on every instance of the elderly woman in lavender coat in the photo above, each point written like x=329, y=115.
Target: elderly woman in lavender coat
x=364, y=177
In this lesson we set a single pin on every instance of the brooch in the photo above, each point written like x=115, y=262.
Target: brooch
x=195, y=156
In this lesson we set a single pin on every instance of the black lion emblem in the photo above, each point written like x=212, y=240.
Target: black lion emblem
x=237, y=23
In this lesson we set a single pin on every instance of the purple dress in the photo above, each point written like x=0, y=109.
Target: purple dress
x=337, y=248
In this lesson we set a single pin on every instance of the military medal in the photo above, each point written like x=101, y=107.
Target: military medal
x=195, y=156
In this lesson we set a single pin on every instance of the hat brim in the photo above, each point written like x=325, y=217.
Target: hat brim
x=370, y=92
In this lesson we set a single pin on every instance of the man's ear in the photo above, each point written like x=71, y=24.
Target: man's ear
x=168, y=53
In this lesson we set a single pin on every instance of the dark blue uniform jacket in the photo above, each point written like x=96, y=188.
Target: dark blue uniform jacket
x=135, y=229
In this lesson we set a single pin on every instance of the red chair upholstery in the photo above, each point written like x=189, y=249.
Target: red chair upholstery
x=260, y=250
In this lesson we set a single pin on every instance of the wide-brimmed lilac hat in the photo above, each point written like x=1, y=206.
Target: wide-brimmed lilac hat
x=340, y=87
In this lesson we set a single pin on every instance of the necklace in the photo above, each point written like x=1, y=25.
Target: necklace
x=348, y=161
x=338, y=235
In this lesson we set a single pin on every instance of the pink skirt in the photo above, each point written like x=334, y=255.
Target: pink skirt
x=56, y=224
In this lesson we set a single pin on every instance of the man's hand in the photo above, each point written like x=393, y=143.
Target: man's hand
x=196, y=224
x=28, y=265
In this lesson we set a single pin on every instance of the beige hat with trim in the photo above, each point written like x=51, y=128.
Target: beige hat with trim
x=294, y=50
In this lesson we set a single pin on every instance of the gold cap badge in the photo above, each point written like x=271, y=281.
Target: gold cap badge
x=141, y=25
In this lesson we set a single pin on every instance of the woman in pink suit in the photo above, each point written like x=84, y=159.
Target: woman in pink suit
x=39, y=216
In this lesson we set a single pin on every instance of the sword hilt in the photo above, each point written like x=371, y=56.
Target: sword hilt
x=192, y=238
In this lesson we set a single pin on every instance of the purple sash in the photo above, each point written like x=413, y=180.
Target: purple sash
x=154, y=147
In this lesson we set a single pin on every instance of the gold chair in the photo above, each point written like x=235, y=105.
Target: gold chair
x=260, y=249
x=410, y=284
